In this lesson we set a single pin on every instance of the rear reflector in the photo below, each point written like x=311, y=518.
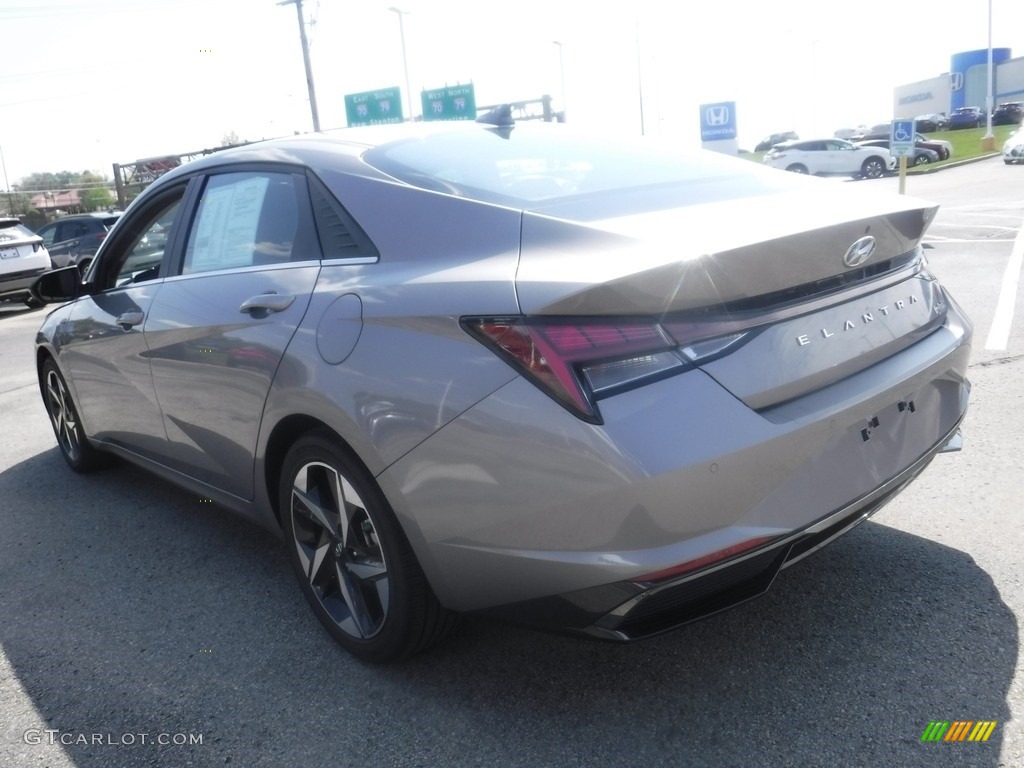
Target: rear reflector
x=703, y=562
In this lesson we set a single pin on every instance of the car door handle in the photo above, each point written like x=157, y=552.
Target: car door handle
x=265, y=303
x=129, y=320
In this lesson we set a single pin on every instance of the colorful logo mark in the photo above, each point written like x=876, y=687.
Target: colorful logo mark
x=958, y=730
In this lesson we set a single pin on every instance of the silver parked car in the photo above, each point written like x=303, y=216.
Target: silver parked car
x=586, y=385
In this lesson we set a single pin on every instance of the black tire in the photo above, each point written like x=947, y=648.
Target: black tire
x=921, y=160
x=351, y=557
x=80, y=455
x=797, y=168
x=873, y=168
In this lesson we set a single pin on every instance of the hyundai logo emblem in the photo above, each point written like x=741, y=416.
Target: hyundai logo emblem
x=859, y=252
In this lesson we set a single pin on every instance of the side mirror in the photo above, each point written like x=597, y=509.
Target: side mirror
x=58, y=285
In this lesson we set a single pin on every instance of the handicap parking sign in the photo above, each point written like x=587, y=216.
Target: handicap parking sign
x=901, y=140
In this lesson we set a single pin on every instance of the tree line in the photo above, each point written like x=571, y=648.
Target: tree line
x=94, y=190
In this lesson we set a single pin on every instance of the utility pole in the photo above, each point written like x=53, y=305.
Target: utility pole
x=405, y=58
x=10, y=195
x=305, y=59
x=561, y=69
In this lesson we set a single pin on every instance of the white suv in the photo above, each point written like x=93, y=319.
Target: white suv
x=831, y=157
x=23, y=258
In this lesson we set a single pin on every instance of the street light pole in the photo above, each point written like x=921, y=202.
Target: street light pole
x=305, y=59
x=405, y=59
x=561, y=69
x=988, y=141
x=640, y=80
x=10, y=195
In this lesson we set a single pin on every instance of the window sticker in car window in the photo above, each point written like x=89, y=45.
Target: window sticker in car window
x=225, y=233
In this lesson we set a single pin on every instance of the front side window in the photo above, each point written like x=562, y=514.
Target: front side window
x=144, y=256
x=243, y=220
x=47, y=234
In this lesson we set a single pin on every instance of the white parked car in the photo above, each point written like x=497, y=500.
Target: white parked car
x=23, y=258
x=830, y=157
x=1013, y=149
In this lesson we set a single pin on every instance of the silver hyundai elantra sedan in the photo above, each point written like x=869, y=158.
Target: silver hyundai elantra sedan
x=596, y=386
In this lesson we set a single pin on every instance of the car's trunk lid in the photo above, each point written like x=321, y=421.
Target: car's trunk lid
x=781, y=269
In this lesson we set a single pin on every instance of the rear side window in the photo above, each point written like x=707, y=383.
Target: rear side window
x=243, y=220
x=69, y=230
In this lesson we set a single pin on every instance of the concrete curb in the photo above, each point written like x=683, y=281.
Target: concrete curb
x=916, y=171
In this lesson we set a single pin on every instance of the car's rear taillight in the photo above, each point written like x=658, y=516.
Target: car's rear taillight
x=577, y=362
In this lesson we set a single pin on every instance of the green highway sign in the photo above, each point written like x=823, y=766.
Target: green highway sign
x=374, y=107
x=457, y=102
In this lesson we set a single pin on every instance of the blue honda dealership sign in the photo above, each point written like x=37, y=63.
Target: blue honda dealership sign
x=718, y=121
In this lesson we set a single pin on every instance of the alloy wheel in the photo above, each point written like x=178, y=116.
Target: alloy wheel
x=339, y=550
x=873, y=168
x=62, y=416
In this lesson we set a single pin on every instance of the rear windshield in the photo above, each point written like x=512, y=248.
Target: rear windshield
x=14, y=230
x=536, y=166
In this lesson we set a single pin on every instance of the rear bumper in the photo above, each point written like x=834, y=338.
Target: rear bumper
x=650, y=609
x=517, y=508
x=17, y=284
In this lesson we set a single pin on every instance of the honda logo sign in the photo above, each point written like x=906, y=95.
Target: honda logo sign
x=715, y=116
x=718, y=121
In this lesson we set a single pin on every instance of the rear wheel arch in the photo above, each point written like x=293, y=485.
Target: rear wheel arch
x=362, y=579
x=285, y=434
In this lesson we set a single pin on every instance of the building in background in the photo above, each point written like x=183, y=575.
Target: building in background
x=965, y=85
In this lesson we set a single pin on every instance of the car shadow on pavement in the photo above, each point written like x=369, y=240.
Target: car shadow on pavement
x=14, y=309
x=130, y=607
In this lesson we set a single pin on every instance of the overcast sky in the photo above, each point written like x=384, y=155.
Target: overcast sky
x=86, y=83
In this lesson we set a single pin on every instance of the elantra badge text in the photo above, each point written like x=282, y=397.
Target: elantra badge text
x=848, y=325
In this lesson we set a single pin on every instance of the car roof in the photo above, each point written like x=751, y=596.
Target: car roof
x=92, y=215
x=476, y=161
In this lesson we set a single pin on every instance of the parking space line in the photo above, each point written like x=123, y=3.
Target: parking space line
x=999, y=333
